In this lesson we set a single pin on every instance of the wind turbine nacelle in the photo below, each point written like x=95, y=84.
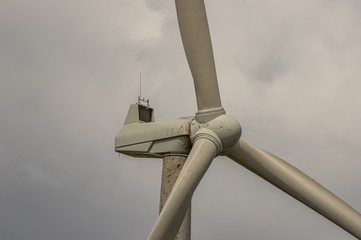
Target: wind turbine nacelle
x=142, y=137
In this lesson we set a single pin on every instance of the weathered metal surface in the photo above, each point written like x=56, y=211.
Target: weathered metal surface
x=171, y=217
x=154, y=139
x=172, y=166
x=225, y=127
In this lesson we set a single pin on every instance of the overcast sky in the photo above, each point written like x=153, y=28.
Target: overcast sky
x=289, y=71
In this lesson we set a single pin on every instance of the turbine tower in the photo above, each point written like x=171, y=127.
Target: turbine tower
x=189, y=145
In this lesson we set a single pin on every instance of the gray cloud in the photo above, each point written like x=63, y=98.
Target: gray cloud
x=289, y=72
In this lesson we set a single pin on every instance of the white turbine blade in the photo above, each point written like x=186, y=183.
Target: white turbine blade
x=197, y=44
x=175, y=208
x=294, y=182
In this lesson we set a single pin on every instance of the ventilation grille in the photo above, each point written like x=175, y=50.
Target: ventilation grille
x=145, y=114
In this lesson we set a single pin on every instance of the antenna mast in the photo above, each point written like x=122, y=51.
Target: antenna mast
x=140, y=99
x=140, y=84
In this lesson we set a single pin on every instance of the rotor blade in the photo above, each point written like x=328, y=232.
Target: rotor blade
x=197, y=44
x=175, y=208
x=294, y=182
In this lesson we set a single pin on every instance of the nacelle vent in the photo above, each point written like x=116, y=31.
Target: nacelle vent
x=139, y=113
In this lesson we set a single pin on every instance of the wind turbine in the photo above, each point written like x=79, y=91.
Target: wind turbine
x=210, y=133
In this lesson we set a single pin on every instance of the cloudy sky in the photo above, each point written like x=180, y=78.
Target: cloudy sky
x=289, y=71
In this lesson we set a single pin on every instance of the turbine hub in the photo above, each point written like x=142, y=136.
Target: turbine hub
x=226, y=128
